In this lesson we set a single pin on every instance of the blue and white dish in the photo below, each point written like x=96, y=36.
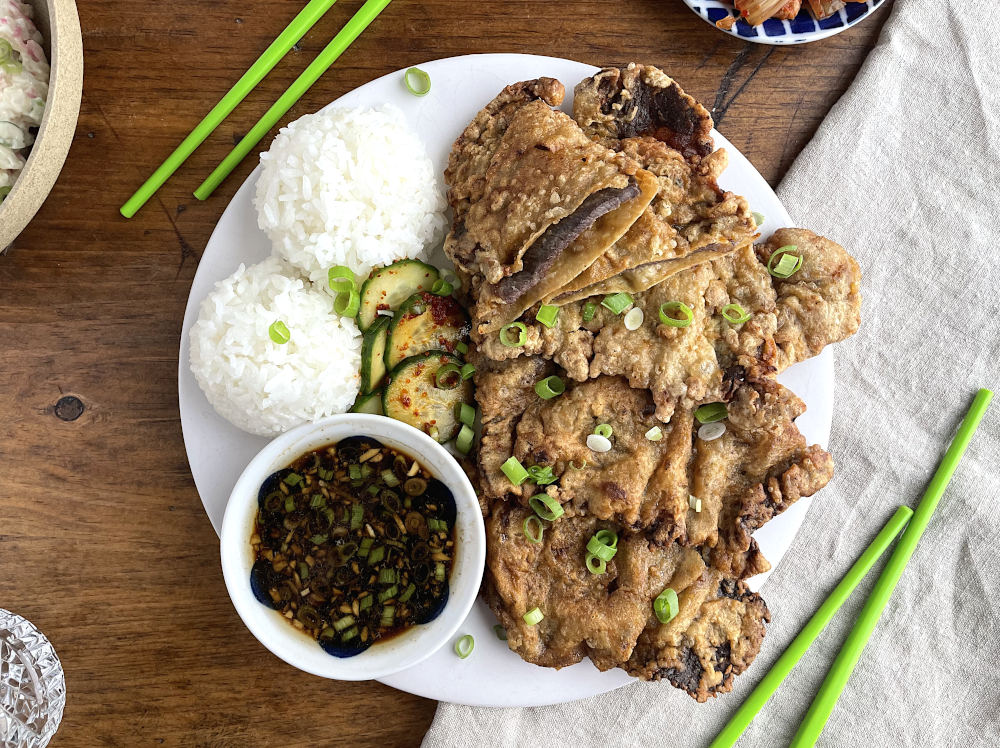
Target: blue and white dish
x=801, y=29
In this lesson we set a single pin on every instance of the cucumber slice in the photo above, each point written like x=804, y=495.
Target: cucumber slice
x=388, y=287
x=373, y=365
x=370, y=403
x=425, y=322
x=413, y=397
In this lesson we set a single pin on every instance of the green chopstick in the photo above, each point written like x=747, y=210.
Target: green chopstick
x=739, y=722
x=288, y=38
x=368, y=12
x=843, y=666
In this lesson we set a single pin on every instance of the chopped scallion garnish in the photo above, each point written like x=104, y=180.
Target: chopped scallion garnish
x=734, y=314
x=347, y=303
x=589, y=310
x=694, y=502
x=376, y=555
x=501, y=632
x=388, y=593
x=788, y=264
x=464, y=646
x=442, y=287
x=604, y=429
x=318, y=539
x=342, y=623
x=550, y=387
x=387, y=576
x=514, y=471
x=597, y=546
x=533, y=528
x=574, y=466
x=278, y=332
x=654, y=434
x=617, y=302
x=546, y=507
x=341, y=279
x=462, y=348
x=711, y=412
x=596, y=565
x=389, y=478
x=533, y=617
x=665, y=606
x=417, y=82
x=514, y=340
x=541, y=475
x=670, y=308
x=466, y=436
x=547, y=314
x=467, y=371
x=357, y=516
x=466, y=414
x=388, y=616
x=408, y=592
x=354, y=471
x=439, y=571
x=758, y=218
x=448, y=377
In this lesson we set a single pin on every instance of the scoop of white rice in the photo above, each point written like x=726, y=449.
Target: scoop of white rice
x=261, y=386
x=349, y=187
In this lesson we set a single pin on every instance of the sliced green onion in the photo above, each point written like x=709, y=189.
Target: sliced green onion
x=533, y=617
x=278, y=332
x=318, y=501
x=514, y=342
x=372, y=490
x=387, y=576
x=574, y=466
x=464, y=646
x=388, y=593
x=439, y=571
x=711, y=431
x=617, y=302
x=448, y=377
x=376, y=555
x=463, y=442
x=532, y=521
x=734, y=314
x=604, y=429
x=389, y=478
x=501, y=632
x=434, y=524
x=289, y=504
x=788, y=264
x=694, y=502
x=547, y=314
x=634, y=318
x=388, y=616
x=607, y=537
x=357, y=516
x=466, y=414
x=596, y=565
x=589, y=310
x=467, y=371
x=654, y=434
x=293, y=479
x=341, y=279
x=546, y=507
x=342, y=623
x=366, y=602
x=665, y=606
x=541, y=475
x=514, y=471
x=462, y=348
x=670, y=308
x=550, y=387
x=596, y=548
x=355, y=472
x=417, y=82
x=442, y=287
x=711, y=412
x=351, y=633
x=347, y=303
x=366, y=545
x=758, y=218
x=408, y=592
x=318, y=539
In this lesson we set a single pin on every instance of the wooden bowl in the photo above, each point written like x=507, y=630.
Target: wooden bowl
x=59, y=24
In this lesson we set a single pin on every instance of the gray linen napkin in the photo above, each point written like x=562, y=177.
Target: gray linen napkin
x=905, y=172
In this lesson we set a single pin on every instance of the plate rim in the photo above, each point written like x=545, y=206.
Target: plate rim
x=612, y=679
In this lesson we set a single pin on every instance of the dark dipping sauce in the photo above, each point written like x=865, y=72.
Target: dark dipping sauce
x=354, y=543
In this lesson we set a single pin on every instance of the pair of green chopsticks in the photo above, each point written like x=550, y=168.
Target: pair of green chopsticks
x=295, y=30
x=822, y=706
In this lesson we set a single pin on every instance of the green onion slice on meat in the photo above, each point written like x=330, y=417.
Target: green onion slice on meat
x=617, y=302
x=734, y=314
x=665, y=606
x=550, y=387
x=533, y=617
x=711, y=412
x=533, y=528
x=515, y=471
x=788, y=264
x=547, y=314
x=546, y=507
x=514, y=339
x=668, y=311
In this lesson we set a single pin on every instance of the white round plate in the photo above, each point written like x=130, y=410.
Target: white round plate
x=218, y=451
x=801, y=29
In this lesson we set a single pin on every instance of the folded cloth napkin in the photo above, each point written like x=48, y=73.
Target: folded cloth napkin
x=905, y=172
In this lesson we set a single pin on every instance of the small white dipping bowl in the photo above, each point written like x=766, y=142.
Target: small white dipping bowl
x=299, y=649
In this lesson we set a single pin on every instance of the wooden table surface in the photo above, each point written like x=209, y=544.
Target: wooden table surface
x=103, y=540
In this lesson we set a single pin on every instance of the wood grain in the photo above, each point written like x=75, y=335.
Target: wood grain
x=103, y=541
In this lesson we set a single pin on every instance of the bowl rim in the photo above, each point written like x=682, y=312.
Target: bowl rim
x=296, y=648
x=58, y=127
